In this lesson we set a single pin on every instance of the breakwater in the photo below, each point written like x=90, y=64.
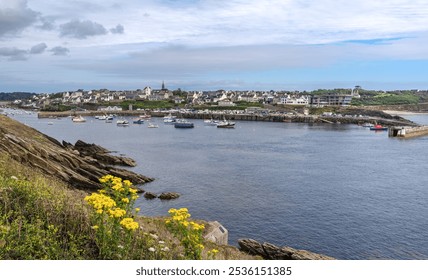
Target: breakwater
x=272, y=117
x=408, y=132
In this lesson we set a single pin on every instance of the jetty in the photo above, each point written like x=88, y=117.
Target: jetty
x=407, y=131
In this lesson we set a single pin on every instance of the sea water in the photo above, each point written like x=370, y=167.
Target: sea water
x=339, y=190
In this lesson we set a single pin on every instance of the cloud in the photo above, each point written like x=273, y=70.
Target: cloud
x=15, y=16
x=118, y=29
x=14, y=53
x=82, y=29
x=38, y=49
x=46, y=24
x=59, y=50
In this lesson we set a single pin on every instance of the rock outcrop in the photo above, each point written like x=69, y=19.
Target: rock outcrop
x=168, y=195
x=101, y=154
x=271, y=252
x=149, y=195
x=80, y=165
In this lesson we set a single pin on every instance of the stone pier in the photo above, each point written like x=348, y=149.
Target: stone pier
x=408, y=132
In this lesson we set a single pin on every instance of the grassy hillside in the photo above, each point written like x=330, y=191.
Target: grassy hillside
x=43, y=218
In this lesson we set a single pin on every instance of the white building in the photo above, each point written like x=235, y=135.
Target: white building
x=294, y=100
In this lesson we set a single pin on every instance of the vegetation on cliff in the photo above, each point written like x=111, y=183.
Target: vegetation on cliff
x=45, y=214
x=43, y=218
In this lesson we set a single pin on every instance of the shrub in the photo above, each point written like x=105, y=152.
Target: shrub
x=189, y=233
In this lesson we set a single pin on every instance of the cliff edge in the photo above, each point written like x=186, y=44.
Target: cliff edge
x=80, y=165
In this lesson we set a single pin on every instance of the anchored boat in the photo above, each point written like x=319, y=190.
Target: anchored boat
x=378, y=127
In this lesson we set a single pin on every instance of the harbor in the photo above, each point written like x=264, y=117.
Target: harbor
x=301, y=185
x=244, y=116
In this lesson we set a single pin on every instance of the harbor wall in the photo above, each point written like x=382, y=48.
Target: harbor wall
x=408, y=132
x=273, y=117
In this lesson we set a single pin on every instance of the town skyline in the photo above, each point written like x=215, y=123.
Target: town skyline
x=208, y=45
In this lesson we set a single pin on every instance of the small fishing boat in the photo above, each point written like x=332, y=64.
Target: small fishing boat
x=145, y=117
x=138, y=121
x=210, y=122
x=367, y=125
x=122, y=123
x=225, y=124
x=169, y=119
x=78, y=119
x=378, y=127
x=181, y=123
x=152, y=125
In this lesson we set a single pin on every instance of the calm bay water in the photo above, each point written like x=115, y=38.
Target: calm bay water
x=339, y=190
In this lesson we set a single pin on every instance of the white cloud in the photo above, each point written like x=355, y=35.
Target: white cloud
x=191, y=39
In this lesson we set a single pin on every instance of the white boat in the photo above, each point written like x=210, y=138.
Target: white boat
x=109, y=119
x=152, y=125
x=367, y=125
x=145, y=117
x=225, y=124
x=169, y=119
x=122, y=123
x=78, y=119
x=211, y=122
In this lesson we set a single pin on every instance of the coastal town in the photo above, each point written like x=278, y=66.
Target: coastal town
x=337, y=106
x=221, y=97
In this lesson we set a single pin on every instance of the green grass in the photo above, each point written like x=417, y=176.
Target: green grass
x=387, y=99
x=43, y=218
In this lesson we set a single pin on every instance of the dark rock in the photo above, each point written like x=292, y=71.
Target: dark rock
x=252, y=247
x=271, y=252
x=149, y=195
x=76, y=165
x=169, y=196
x=275, y=253
x=101, y=154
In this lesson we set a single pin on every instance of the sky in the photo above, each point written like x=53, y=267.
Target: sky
x=57, y=45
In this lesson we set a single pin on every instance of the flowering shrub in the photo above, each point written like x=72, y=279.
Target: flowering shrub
x=189, y=233
x=112, y=218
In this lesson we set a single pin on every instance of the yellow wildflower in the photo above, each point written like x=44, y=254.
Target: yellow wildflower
x=117, y=213
x=127, y=183
x=137, y=210
x=100, y=201
x=129, y=224
x=125, y=199
x=95, y=227
x=118, y=187
x=106, y=178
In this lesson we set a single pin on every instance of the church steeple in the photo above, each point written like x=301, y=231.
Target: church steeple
x=163, y=85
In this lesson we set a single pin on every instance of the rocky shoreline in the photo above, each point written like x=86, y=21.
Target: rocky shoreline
x=269, y=251
x=80, y=165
